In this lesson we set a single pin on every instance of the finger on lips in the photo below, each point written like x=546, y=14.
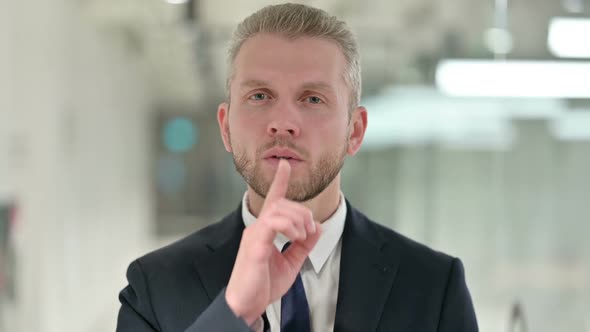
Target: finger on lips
x=279, y=185
x=281, y=215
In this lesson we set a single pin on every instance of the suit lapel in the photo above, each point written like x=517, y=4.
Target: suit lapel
x=215, y=263
x=368, y=267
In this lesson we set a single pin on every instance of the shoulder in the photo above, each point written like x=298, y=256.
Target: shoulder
x=412, y=254
x=426, y=281
x=185, y=251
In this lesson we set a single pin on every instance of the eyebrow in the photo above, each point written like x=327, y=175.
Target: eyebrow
x=254, y=84
x=318, y=86
x=315, y=85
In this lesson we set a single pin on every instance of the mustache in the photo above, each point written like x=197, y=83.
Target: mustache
x=282, y=143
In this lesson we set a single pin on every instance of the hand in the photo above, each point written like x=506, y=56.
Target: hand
x=261, y=273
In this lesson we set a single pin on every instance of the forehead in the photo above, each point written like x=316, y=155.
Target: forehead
x=275, y=59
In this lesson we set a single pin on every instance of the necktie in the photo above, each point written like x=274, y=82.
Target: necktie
x=294, y=307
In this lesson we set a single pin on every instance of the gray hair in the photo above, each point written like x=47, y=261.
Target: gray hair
x=293, y=21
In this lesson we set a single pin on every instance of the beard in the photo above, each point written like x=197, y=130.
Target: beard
x=321, y=174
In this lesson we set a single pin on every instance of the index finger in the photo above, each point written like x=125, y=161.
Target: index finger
x=280, y=183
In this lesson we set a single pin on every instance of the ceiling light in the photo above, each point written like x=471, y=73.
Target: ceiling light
x=528, y=79
x=177, y=2
x=569, y=37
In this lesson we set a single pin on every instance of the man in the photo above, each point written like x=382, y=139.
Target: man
x=295, y=255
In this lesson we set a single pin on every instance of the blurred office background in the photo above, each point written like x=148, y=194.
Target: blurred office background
x=478, y=145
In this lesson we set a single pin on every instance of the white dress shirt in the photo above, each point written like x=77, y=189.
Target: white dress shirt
x=320, y=272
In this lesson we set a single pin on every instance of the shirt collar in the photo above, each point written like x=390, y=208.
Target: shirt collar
x=332, y=230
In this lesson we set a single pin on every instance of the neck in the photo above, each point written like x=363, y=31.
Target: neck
x=322, y=206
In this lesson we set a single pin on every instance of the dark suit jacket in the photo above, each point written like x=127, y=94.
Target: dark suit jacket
x=387, y=283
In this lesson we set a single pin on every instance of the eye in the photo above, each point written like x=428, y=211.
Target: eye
x=314, y=99
x=258, y=96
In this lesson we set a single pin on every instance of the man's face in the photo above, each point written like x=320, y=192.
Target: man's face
x=289, y=100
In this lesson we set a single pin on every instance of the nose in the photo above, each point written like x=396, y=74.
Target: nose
x=284, y=123
x=282, y=129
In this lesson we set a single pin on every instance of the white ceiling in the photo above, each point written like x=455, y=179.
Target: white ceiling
x=401, y=41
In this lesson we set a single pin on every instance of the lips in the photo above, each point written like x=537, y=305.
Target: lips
x=281, y=153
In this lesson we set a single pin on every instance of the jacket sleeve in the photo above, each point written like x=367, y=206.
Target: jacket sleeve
x=457, y=312
x=137, y=315
x=136, y=312
x=219, y=317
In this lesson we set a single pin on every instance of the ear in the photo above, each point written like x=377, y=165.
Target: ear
x=223, y=121
x=358, y=126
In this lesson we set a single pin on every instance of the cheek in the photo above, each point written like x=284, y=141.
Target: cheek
x=328, y=136
x=236, y=126
x=244, y=133
x=246, y=121
x=333, y=130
